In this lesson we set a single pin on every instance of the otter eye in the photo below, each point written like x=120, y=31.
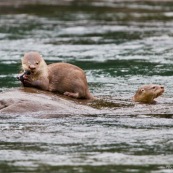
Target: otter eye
x=37, y=63
x=142, y=90
x=153, y=87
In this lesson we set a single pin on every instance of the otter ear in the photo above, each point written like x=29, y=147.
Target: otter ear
x=141, y=91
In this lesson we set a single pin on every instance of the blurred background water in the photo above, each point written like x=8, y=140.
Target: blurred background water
x=120, y=45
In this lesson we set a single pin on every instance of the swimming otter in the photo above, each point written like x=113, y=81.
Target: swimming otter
x=63, y=78
x=147, y=93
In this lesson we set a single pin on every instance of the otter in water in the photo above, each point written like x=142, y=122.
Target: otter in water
x=147, y=93
x=63, y=78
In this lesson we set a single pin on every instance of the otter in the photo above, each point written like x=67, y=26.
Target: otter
x=63, y=78
x=147, y=93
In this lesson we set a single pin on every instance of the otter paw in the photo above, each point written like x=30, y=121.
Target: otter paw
x=27, y=82
x=73, y=95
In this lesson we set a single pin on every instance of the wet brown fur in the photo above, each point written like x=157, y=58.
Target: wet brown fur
x=147, y=93
x=63, y=78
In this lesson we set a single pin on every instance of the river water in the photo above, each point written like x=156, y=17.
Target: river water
x=120, y=45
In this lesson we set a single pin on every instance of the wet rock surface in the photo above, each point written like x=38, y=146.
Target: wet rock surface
x=37, y=102
x=30, y=101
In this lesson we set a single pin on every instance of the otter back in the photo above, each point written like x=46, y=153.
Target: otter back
x=67, y=77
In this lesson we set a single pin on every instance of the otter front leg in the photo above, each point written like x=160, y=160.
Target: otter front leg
x=41, y=84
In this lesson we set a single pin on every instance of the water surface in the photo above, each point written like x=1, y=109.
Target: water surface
x=120, y=45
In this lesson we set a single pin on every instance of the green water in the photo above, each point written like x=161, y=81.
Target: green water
x=120, y=45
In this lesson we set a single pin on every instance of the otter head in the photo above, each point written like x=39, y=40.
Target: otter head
x=33, y=62
x=147, y=93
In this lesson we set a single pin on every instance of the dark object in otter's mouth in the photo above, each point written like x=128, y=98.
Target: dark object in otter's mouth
x=27, y=72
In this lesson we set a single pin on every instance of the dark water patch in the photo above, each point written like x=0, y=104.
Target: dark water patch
x=169, y=116
x=22, y=146
x=83, y=169
x=18, y=32
x=118, y=67
x=53, y=10
x=8, y=67
x=7, y=77
x=102, y=104
x=73, y=11
x=9, y=167
x=105, y=37
x=8, y=82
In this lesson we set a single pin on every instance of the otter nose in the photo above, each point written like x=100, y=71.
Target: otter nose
x=32, y=67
